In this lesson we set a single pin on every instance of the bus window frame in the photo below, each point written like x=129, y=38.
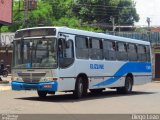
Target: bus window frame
x=86, y=48
x=95, y=50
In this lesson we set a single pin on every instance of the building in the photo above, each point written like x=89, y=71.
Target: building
x=6, y=48
x=156, y=29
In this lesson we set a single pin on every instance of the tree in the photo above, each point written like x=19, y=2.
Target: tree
x=127, y=13
x=60, y=8
x=83, y=14
x=100, y=11
x=41, y=15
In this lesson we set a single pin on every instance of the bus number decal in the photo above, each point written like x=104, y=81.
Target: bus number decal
x=96, y=66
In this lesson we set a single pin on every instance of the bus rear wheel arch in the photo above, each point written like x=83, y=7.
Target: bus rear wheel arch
x=81, y=86
x=127, y=89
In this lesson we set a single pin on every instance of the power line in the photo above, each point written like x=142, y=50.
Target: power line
x=99, y=9
x=105, y=6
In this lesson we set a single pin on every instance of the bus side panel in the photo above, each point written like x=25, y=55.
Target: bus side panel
x=141, y=72
x=142, y=78
x=66, y=84
x=99, y=71
x=118, y=83
x=67, y=79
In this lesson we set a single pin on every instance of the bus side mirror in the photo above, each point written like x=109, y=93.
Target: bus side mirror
x=63, y=44
x=67, y=44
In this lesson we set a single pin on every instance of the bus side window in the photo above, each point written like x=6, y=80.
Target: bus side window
x=109, y=50
x=82, y=47
x=132, y=52
x=121, y=51
x=142, y=53
x=96, y=52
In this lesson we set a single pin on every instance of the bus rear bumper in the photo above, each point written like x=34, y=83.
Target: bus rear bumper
x=45, y=86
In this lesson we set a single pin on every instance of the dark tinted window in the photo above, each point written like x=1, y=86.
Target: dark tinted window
x=109, y=50
x=36, y=32
x=122, y=51
x=132, y=52
x=96, y=52
x=142, y=53
x=82, y=51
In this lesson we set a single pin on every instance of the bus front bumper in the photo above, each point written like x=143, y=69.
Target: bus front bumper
x=43, y=86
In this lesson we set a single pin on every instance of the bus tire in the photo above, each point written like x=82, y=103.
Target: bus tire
x=127, y=89
x=96, y=91
x=79, y=88
x=42, y=94
x=5, y=73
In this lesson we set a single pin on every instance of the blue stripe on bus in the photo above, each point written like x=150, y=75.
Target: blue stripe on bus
x=129, y=67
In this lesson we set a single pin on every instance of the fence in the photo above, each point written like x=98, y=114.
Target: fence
x=153, y=37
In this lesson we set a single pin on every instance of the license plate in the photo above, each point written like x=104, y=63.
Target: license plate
x=47, y=86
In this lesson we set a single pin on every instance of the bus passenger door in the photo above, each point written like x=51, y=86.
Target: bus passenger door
x=66, y=63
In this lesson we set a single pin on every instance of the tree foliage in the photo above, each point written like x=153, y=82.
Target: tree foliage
x=82, y=14
x=100, y=11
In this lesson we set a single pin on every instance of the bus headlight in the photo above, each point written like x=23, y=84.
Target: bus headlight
x=48, y=79
x=52, y=79
x=17, y=79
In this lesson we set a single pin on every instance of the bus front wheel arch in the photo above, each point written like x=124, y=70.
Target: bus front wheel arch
x=81, y=86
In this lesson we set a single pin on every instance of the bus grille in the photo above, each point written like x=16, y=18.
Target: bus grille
x=31, y=77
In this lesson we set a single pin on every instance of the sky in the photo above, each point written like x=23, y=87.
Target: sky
x=148, y=8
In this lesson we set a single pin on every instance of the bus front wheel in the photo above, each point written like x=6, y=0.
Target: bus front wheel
x=80, y=89
x=42, y=94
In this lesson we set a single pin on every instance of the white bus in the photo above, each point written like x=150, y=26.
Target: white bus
x=51, y=59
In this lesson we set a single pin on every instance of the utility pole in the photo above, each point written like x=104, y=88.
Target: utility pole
x=149, y=22
x=112, y=19
x=25, y=22
x=0, y=35
x=0, y=43
x=119, y=29
x=149, y=29
x=29, y=5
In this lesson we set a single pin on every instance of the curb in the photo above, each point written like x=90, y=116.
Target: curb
x=4, y=82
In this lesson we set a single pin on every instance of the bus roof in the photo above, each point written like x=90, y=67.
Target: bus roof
x=91, y=34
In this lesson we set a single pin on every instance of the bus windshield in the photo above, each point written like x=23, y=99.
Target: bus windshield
x=35, y=53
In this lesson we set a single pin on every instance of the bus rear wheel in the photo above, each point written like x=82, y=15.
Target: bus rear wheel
x=80, y=89
x=42, y=94
x=127, y=89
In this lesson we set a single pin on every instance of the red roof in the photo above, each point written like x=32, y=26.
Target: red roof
x=157, y=29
